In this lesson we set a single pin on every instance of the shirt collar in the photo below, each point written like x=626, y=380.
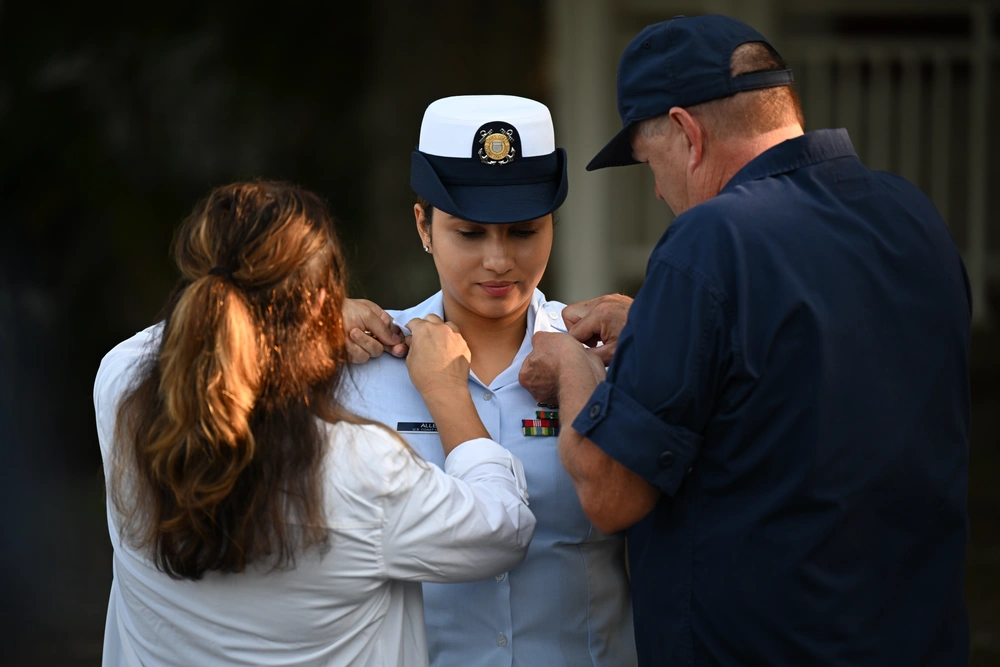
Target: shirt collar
x=810, y=148
x=538, y=320
x=434, y=305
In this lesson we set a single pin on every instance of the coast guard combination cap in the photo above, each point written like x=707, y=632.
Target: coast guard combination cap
x=489, y=159
x=680, y=63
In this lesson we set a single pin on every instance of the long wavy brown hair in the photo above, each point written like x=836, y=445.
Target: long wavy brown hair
x=218, y=448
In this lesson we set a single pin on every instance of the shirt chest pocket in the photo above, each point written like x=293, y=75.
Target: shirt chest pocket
x=553, y=497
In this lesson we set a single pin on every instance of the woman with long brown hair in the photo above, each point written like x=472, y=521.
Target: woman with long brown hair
x=253, y=520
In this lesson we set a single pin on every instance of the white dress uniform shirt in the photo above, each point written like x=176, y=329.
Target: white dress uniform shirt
x=393, y=520
x=568, y=603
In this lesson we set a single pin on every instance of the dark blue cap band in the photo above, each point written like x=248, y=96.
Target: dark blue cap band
x=523, y=171
x=767, y=79
x=524, y=189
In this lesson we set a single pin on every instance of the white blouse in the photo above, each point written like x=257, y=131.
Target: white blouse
x=394, y=521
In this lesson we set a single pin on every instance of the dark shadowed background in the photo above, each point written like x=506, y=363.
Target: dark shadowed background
x=115, y=117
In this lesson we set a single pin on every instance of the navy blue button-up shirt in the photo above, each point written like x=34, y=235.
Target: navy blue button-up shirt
x=793, y=378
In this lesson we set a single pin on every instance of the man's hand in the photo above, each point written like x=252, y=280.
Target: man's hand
x=360, y=316
x=540, y=370
x=598, y=320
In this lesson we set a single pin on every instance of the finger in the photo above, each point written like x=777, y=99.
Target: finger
x=453, y=327
x=392, y=326
x=603, y=352
x=434, y=318
x=574, y=312
x=415, y=323
x=370, y=345
x=399, y=350
x=379, y=323
x=356, y=354
x=588, y=328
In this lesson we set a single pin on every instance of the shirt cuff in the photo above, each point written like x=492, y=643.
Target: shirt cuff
x=472, y=453
x=658, y=452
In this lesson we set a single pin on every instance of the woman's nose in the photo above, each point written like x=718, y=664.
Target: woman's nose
x=498, y=258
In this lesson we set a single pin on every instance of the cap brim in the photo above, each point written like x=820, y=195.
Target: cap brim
x=616, y=153
x=490, y=203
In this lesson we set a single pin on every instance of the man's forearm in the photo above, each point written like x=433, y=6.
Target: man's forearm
x=612, y=496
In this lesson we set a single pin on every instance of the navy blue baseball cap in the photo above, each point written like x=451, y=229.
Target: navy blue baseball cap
x=489, y=159
x=680, y=63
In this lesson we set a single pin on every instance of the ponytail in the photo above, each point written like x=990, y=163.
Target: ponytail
x=218, y=445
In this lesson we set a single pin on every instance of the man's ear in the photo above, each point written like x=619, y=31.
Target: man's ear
x=694, y=136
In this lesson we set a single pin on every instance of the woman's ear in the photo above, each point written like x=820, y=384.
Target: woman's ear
x=423, y=228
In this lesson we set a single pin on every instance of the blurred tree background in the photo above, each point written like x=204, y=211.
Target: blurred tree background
x=114, y=118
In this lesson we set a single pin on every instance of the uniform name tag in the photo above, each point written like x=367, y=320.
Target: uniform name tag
x=416, y=427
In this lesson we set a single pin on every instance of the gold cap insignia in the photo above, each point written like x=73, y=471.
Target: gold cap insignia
x=496, y=146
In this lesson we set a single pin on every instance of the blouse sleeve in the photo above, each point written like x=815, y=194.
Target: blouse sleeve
x=466, y=523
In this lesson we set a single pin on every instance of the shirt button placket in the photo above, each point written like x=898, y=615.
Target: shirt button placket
x=491, y=415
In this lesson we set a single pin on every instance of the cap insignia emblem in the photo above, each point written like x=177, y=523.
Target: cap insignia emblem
x=496, y=147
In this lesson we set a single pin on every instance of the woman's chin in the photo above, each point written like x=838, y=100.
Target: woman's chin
x=498, y=307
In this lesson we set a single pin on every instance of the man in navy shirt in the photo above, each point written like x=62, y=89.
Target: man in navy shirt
x=783, y=428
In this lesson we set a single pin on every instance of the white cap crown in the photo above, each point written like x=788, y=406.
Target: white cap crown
x=450, y=124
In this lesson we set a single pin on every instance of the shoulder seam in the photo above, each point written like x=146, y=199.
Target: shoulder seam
x=696, y=277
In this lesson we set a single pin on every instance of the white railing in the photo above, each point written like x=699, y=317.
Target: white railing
x=918, y=108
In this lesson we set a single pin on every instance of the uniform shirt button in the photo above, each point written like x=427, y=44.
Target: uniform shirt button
x=553, y=316
x=501, y=577
x=501, y=640
x=595, y=410
x=488, y=396
x=666, y=459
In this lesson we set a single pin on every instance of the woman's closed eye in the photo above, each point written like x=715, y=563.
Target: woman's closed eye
x=477, y=233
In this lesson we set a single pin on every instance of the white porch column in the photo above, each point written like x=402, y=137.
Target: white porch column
x=584, y=69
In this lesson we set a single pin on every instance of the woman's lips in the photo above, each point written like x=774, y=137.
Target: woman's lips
x=497, y=289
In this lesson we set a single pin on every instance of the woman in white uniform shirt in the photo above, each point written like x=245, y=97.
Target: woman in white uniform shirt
x=488, y=178
x=253, y=520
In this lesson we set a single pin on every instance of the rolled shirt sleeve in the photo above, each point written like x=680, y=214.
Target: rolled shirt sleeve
x=635, y=437
x=651, y=412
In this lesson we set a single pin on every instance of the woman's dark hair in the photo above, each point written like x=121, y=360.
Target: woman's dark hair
x=219, y=452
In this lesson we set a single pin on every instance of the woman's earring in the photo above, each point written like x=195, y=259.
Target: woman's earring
x=427, y=248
